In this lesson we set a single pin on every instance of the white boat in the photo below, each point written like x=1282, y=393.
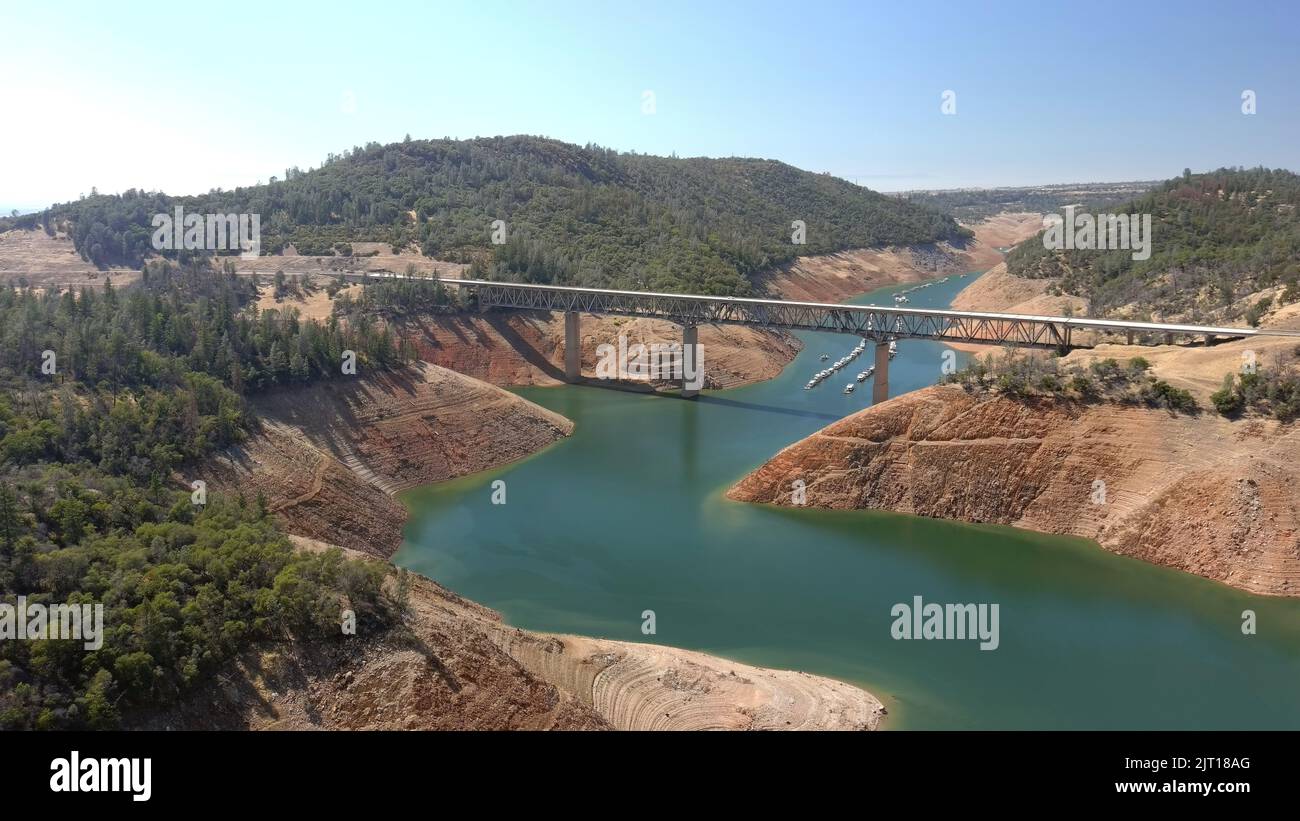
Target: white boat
x=870, y=371
x=862, y=377
x=848, y=388
x=825, y=356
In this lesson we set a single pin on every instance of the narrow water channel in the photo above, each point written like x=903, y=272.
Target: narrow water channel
x=628, y=515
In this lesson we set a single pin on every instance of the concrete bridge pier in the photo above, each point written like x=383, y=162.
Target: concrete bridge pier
x=880, y=379
x=692, y=364
x=572, y=348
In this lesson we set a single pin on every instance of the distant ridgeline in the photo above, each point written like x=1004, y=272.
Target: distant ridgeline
x=975, y=204
x=574, y=215
x=1216, y=237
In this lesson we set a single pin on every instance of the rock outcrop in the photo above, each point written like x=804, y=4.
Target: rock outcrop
x=1200, y=494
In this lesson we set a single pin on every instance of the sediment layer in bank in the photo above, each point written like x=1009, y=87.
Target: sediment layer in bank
x=328, y=458
x=453, y=665
x=1201, y=494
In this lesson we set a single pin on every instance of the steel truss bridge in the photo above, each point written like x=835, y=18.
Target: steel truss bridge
x=877, y=323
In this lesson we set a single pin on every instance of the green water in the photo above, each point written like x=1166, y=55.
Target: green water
x=629, y=515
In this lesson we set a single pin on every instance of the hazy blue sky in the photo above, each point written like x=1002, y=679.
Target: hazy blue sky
x=189, y=96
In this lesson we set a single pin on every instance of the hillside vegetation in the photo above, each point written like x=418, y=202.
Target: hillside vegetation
x=1216, y=238
x=574, y=215
x=144, y=386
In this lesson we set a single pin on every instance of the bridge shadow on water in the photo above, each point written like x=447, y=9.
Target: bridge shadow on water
x=706, y=399
x=755, y=406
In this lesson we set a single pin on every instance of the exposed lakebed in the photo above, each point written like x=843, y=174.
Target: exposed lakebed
x=628, y=515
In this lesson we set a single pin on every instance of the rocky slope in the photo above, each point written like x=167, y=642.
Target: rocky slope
x=328, y=457
x=1201, y=494
x=998, y=291
x=837, y=277
x=454, y=666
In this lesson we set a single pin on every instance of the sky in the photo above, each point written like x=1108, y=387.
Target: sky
x=186, y=97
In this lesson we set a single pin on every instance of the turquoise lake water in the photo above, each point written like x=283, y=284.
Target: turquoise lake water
x=628, y=515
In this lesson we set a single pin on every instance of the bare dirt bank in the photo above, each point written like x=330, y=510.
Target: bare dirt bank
x=837, y=277
x=1197, y=368
x=53, y=262
x=45, y=261
x=1200, y=494
x=454, y=666
x=372, y=257
x=998, y=291
x=527, y=347
x=652, y=687
x=329, y=457
x=327, y=460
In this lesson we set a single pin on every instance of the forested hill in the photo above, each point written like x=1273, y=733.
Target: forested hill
x=574, y=215
x=1216, y=237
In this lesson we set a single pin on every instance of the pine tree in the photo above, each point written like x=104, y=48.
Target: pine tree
x=8, y=517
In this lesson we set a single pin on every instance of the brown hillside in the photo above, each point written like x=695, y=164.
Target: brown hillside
x=1201, y=494
x=329, y=457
